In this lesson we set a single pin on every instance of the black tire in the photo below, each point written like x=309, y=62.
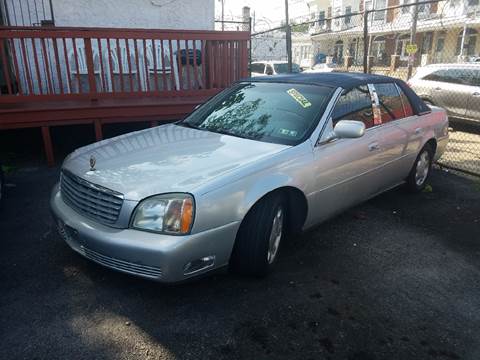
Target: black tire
x=250, y=255
x=414, y=182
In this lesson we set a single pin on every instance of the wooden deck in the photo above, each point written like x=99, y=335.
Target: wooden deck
x=68, y=76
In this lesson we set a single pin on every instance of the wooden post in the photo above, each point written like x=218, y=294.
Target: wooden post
x=98, y=130
x=90, y=66
x=47, y=143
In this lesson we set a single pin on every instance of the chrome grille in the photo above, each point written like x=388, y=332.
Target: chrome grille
x=94, y=201
x=122, y=265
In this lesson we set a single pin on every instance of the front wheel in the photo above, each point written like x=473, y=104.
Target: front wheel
x=418, y=176
x=259, y=237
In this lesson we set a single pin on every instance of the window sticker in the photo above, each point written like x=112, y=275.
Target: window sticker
x=302, y=100
x=287, y=132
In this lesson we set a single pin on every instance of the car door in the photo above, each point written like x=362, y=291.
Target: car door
x=345, y=169
x=448, y=91
x=394, y=135
x=472, y=110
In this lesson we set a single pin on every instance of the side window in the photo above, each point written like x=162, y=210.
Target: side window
x=407, y=107
x=439, y=75
x=452, y=76
x=470, y=77
x=355, y=104
x=258, y=68
x=391, y=107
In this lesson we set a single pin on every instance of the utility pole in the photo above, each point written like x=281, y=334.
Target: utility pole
x=413, y=35
x=288, y=34
x=223, y=14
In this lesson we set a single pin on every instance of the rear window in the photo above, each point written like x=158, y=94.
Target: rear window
x=407, y=107
x=283, y=68
x=258, y=68
x=391, y=107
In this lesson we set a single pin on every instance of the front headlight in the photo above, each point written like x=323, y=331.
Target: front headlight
x=167, y=213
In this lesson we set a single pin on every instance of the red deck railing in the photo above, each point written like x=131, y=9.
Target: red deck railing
x=92, y=63
x=63, y=76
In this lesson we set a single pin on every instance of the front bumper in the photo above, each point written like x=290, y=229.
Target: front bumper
x=154, y=256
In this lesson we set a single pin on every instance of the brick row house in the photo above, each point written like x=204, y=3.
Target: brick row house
x=447, y=31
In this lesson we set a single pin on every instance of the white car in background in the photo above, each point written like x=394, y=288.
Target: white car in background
x=323, y=67
x=261, y=68
x=454, y=87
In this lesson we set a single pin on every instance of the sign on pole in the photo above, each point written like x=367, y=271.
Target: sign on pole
x=411, y=49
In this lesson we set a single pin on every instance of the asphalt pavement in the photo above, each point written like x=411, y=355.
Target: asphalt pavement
x=397, y=277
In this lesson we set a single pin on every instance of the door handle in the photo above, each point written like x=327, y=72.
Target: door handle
x=373, y=147
x=438, y=88
x=418, y=131
x=476, y=93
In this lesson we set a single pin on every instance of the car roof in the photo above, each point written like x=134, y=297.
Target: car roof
x=346, y=80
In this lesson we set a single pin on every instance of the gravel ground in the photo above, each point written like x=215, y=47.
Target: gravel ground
x=463, y=150
x=395, y=278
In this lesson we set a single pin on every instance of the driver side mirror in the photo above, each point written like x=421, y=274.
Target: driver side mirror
x=347, y=129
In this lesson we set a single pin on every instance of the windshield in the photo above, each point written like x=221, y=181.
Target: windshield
x=283, y=68
x=271, y=112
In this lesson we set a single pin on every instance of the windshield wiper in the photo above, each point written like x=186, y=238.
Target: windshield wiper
x=224, y=132
x=188, y=125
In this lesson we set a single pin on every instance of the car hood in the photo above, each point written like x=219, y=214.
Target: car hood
x=168, y=158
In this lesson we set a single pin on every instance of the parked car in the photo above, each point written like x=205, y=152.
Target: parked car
x=260, y=68
x=267, y=157
x=454, y=87
x=324, y=67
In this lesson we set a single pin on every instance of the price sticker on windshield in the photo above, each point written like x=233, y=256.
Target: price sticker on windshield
x=302, y=100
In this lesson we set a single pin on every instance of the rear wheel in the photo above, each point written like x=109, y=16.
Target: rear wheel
x=259, y=237
x=418, y=176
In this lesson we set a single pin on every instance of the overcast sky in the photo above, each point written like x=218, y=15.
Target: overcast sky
x=268, y=13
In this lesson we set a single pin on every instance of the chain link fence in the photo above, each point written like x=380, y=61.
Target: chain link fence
x=433, y=45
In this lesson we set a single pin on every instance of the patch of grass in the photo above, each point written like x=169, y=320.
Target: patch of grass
x=428, y=189
x=8, y=169
x=476, y=185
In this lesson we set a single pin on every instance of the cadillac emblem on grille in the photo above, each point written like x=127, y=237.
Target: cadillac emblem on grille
x=93, y=161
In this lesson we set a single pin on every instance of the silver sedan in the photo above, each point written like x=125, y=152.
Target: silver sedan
x=264, y=159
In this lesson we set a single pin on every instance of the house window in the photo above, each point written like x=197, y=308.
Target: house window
x=469, y=43
x=378, y=50
x=338, y=52
x=402, y=43
x=348, y=17
x=473, y=2
x=380, y=15
x=321, y=18
x=427, y=43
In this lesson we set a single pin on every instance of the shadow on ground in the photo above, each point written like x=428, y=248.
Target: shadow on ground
x=394, y=278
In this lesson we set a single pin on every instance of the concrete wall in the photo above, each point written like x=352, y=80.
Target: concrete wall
x=160, y=14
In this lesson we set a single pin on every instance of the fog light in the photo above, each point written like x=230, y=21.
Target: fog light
x=198, y=265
